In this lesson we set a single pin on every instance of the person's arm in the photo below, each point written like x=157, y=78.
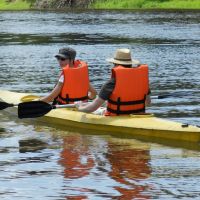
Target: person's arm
x=55, y=92
x=148, y=99
x=91, y=107
x=104, y=95
x=92, y=92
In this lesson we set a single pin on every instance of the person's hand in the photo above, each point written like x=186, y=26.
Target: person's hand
x=91, y=96
x=78, y=104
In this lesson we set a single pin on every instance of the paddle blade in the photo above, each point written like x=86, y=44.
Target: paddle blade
x=33, y=109
x=164, y=96
x=179, y=94
x=4, y=105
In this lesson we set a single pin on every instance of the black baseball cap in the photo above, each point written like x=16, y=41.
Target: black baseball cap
x=67, y=53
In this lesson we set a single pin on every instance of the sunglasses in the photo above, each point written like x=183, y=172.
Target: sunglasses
x=62, y=59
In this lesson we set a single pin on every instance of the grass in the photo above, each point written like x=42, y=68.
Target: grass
x=16, y=5
x=146, y=4
x=116, y=4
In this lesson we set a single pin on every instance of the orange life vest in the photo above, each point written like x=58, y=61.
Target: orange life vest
x=76, y=83
x=131, y=88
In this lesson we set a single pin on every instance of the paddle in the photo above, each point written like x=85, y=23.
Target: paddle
x=27, y=98
x=4, y=105
x=163, y=96
x=34, y=109
x=174, y=94
x=38, y=109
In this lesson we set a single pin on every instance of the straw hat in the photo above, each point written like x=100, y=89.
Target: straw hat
x=123, y=57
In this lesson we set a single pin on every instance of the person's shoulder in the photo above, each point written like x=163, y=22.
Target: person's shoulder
x=80, y=63
x=107, y=89
x=108, y=85
x=61, y=78
x=110, y=81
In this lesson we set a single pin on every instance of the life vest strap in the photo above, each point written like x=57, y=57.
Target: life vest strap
x=119, y=103
x=127, y=112
x=126, y=102
x=55, y=102
x=67, y=99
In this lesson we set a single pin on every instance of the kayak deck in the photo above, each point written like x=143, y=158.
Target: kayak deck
x=146, y=127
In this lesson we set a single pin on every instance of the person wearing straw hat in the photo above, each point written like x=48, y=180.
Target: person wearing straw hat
x=127, y=92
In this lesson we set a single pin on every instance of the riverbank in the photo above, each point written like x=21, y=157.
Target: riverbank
x=101, y=4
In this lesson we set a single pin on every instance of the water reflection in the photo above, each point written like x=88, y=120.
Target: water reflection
x=128, y=165
x=75, y=157
x=122, y=163
x=80, y=166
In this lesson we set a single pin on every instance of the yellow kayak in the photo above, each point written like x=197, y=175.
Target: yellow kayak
x=145, y=127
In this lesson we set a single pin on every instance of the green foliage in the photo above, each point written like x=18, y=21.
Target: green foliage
x=30, y=2
x=146, y=4
x=111, y=4
x=14, y=5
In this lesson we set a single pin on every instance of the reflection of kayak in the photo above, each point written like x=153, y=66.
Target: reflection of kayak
x=145, y=127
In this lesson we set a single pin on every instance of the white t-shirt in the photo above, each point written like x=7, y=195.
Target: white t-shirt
x=61, y=79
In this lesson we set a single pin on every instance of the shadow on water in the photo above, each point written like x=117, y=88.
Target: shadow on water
x=3, y=133
x=31, y=145
x=2, y=130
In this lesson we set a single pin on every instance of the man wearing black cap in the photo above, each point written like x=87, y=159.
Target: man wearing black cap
x=66, y=53
x=73, y=85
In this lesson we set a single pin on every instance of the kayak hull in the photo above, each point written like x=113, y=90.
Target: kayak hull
x=145, y=127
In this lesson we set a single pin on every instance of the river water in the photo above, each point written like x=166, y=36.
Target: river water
x=41, y=162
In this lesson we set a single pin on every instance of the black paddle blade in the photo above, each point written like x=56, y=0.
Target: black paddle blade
x=33, y=109
x=173, y=94
x=164, y=96
x=4, y=105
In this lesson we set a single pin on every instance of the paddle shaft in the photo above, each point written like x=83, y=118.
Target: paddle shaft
x=66, y=106
x=4, y=105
